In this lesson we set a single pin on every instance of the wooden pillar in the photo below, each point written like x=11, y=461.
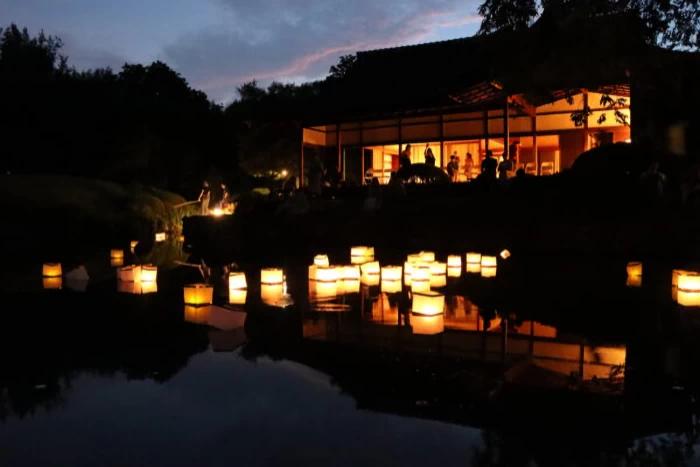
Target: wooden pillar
x=585, y=120
x=442, y=141
x=535, y=151
x=506, y=129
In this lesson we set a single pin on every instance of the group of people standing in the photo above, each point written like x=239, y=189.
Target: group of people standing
x=205, y=198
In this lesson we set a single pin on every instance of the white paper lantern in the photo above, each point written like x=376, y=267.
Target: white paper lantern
x=271, y=276
x=428, y=303
x=237, y=281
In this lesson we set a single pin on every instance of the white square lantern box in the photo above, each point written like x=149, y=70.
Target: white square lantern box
x=634, y=269
x=689, y=289
x=428, y=303
x=326, y=274
x=198, y=294
x=474, y=258
x=391, y=273
x=351, y=273
x=237, y=281
x=454, y=261
x=130, y=274
x=321, y=260
x=370, y=269
x=271, y=276
x=149, y=273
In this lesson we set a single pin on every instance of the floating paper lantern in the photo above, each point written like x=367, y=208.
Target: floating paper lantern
x=198, y=294
x=237, y=281
x=351, y=273
x=391, y=273
x=117, y=254
x=361, y=254
x=271, y=276
x=52, y=283
x=489, y=262
x=454, y=261
x=149, y=273
x=454, y=271
x=321, y=260
x=149, y=287
x=371, y=268
x=130, y=274
x=116, y=262
x=391, y=286
x=326, y=274
x=438, y=282
x=474, y=268
x=427, y=256
x=676, y=274
x=427, y=325
x=408, y=267
x=326, y=289
x=428, y=303
x=505, y=254
x=370, y=279
x=237, y=296
x=634, y=269
x=271, y=293
x=688, y=293
x=474, y=258
x=52, y=270
x=438, y=269
x=414, y=258
x=488, y=272
x=420, y=279
x=160, y=237
x=351, y=286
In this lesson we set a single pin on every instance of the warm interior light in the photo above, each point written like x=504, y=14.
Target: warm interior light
x=391, y=286
x=474, y=268
x=321, y=260
x=628, y=140
x=428, y=303
x=420, y=279
x=454, y=261
x=505, y=254
x=689, y=282
x=116, y=262
x=391, y=273
x=130, y=274
x=237, y=281
x=438, y=281
x=361, y=254
x=351, y=273
x=326, y=274
x=116, y=254
x=427, y=256
x=454, y=271
x=52, y=270
x=160, y=237
x=237, y=296
x=488, y=272
x=474, y=258
x=676, y=274
x=149, y=273
x=489, y=262
x=370, y=279
x=351, y=286
x=271, y=276
x=634, y=269
x=438, y=269
x=427, y=325
x=371, y=268
x=52, y=283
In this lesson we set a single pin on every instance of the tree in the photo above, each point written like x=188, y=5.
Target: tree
x=344, y=67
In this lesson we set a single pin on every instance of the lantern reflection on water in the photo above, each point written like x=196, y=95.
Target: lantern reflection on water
x=271, y=293
x=370, y=279
x=420, y=279
x=52, y=283
x=350, y=286
x=454, y=271
x=321, y=260
x=149, y=273
x=427, y=325
x=689, y=289
x=237, y=296
x=474, y=258
x=634, y=269
x=116, y=262
x=474, y=268
x=371, y=268
x=488, y=272
x=117, y=254
x=149, y=287
x=438, y=275
x=52, y=270
x=326, y=289
x=391, y=286
x=198, y=294
x=197, y=314
x=237, y=281
x=391, y=273
x=634, y=281
x=428, y=303
x=271, y=276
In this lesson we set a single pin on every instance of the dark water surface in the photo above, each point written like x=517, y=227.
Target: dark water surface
x=550, y=363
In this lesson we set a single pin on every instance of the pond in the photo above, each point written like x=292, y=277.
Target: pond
x=544, y=362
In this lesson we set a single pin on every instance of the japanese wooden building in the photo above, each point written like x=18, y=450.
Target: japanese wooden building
x=483, y=93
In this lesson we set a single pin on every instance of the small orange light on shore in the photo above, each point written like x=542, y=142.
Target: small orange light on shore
x=237, y=296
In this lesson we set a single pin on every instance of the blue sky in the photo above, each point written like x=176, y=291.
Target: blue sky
x=218, y=44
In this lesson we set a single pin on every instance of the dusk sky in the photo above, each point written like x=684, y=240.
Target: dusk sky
x=219, y=44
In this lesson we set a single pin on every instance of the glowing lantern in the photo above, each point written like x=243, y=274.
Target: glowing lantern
x=413, y=259
x=420, y=279
x=676, y=274
x=427, y=325
x=133, y=245
x=391, y=273
x=428, y=303
x=271, y=276
x=454, y=271
x=237, y=296
x=370, y=269
x=454, y=261
x=688, y=293
x=217, y=212
x=474, y=258
x=351, y=273
x=634, y=281
x=271, y=293
x=427, y=256
x=326, y=274
x=149, y=287
x=117, y=254
x=391, y=286
x=438, y=269
x=489, y=262
x=350, y=286
x=182, y=239
x=326, y=289
x=130, y=274
x=149, y=273
x=361, y=254
x=634, y=269
x=488, y=272
x=160, y=237
x=370, y=279
x=54, y=283
x=505, y=254
x=321, y=260
x=116, y=262
x=52, y=270
x=312, y=273
x=198, y=294
x=474, y=268
x=236, y=281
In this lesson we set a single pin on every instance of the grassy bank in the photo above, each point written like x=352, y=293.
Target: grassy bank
x=58, y=218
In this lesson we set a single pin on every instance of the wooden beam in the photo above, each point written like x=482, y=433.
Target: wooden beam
x=521, y=103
